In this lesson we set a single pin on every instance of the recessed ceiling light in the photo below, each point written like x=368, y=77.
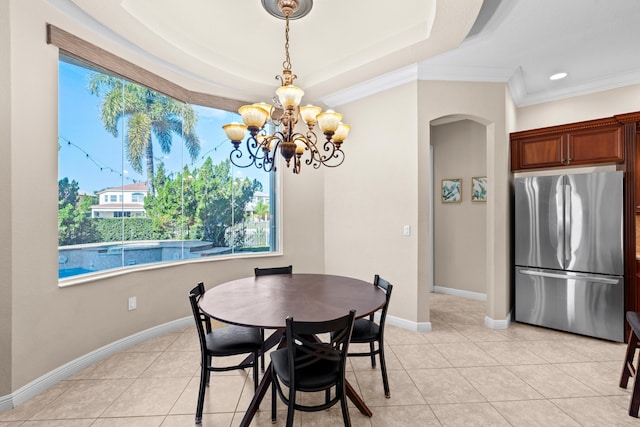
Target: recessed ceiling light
x=558, y=76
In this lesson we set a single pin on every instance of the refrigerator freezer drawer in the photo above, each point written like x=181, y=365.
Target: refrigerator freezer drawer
x=585, y=304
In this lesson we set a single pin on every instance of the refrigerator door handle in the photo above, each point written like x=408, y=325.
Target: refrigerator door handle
x=560, y=223
x=585, y=277
x=567, y=225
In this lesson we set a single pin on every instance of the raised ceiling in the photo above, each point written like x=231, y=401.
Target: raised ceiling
x=238, y=48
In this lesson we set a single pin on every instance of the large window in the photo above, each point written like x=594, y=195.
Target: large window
x=145, y=178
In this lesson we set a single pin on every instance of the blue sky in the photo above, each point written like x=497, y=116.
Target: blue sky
x=95, y=159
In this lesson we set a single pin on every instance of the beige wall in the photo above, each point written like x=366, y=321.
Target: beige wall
x=385, y=184
x=579, y=108
x=489, y=104
x=373, y=195
x=5, y=194
x=73, y=321
x=460, y=229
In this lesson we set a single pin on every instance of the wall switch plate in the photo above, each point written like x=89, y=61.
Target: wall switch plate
x=406, y=230
x=133, y=303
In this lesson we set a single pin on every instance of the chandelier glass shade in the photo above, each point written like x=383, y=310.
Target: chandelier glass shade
x=272, y=128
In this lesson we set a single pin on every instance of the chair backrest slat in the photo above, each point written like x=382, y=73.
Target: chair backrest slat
x=304, y=349
x=273, y=270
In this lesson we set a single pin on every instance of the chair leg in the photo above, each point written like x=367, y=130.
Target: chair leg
x=291, y=409
x=208, y=372
x=343, y=406
x=628, y=361
x=262, y=355
x=273, y=399
x=635, y=398
x=203, y=384
x=373, y=356
x=255, y=371
x=383, y=368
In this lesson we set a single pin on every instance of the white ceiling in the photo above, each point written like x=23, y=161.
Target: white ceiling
x=238, y=48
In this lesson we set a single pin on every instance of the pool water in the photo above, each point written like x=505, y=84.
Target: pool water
x=66, y=272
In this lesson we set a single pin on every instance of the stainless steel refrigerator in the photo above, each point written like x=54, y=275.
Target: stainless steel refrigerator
x=569, y=262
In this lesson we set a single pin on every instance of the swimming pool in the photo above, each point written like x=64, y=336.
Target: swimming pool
x=67, y=272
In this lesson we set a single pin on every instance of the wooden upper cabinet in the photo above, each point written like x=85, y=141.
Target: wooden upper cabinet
x=636, y=176
x=595, y=146
x=539, y=152
x=580, y=144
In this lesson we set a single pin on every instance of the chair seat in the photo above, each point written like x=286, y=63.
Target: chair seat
x=233, y=340
x=364, y=330
x=633, y=317
x=317, y=375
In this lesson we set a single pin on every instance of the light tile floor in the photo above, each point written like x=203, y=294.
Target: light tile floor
x=461, y=373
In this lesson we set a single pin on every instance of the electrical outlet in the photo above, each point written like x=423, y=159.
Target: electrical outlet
x=406, y=230
x=133, y=303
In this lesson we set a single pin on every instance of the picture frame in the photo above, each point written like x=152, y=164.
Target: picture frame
x=479, y=189
x=451, y=190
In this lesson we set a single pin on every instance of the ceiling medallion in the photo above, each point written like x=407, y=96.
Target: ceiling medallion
x=302, y=8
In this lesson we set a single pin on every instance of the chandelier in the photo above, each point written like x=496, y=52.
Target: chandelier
x=281, y=118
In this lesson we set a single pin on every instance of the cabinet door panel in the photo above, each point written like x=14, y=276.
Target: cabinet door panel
x=591, y=146
x=540, y=152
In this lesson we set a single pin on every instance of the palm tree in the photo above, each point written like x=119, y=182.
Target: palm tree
x=261, y=210
x=149, y=113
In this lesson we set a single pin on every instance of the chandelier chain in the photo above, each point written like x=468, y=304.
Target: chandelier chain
x=287, y=61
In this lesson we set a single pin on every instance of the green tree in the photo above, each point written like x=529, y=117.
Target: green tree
x=203, y=203
x=75, y=224
x=261, y=210
x=149, y=113
x=221, y=200
x=173, y=205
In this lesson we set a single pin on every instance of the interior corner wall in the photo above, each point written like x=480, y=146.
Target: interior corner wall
x=460, y=229
x=484, y=103
x=5, y=195
x=373, y=195
x=51, y=326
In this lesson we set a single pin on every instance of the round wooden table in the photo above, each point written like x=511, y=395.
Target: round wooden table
x=266, y=301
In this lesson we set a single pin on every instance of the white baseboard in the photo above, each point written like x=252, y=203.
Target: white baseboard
x=408, y=324
x=460, y=293
x=488, y=322
x=497, y=324
x=51, y=378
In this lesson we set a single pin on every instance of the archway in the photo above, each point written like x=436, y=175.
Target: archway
x=458, y=148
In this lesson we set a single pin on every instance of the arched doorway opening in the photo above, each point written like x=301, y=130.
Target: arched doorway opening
x=458, y=160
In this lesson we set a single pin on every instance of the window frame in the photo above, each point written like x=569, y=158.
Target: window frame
x=90, y=54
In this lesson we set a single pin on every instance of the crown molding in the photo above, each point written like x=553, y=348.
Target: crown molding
x=369, y=87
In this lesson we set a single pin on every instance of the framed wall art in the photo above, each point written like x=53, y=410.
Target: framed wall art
x=479, y=189
x=451, y=190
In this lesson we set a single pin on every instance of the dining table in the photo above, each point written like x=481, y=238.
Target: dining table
x=266, y=301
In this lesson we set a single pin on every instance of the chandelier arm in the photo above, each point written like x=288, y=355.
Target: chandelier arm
x=260, y=160
x=330, y=149
x=335, y=160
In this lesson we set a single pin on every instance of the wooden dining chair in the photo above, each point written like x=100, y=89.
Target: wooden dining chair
x=309, y=365
x=266, y=272
x=366, y=331
x=220, y=342
x=628, y=368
